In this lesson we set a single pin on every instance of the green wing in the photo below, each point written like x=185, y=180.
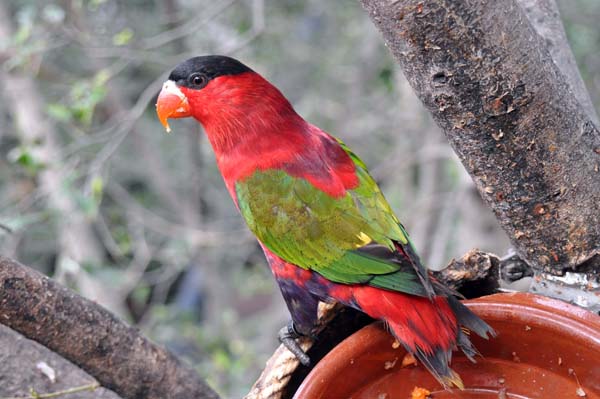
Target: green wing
x=347, y=240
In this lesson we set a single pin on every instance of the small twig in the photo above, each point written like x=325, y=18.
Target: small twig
x=184, y=29
x=159, y=224
x=125, y=126
x=7, y=229
x=34, y=395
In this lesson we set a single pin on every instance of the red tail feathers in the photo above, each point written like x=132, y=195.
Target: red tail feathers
x=428, y=328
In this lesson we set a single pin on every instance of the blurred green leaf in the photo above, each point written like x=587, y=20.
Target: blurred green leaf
x=244, y=25
x=58, y=111
x=24, y=157
x=86, y=95
x=123, y=37
x=101, y=77
x=96, y=188
x=221, y=359
x=25, y=21
x=87, y=204
x=121, y=236
x=386, y=77
x=22, y=34
x=141, y=294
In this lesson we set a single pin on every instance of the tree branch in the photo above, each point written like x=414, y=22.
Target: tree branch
x=91, y=337
x=490, y=83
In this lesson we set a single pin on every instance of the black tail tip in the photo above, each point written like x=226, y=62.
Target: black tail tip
x=438, y=364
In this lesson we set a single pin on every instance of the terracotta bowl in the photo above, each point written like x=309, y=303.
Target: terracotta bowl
x=545, y=349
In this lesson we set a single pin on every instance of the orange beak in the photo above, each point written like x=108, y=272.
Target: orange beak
x=171, y=103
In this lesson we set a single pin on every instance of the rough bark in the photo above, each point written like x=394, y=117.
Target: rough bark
x=91, y=337
x=490, y=83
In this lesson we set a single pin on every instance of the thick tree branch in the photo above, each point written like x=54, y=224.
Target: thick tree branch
x=91, y=337
x=490, y=82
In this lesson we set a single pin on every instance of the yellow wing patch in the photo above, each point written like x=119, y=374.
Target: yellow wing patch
x=364, y=239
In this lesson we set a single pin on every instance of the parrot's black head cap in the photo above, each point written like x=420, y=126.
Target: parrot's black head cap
x=196, y=72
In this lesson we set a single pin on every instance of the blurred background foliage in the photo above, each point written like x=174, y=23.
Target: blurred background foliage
x=96, y=195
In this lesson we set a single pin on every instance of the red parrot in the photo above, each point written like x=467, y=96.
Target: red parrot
x=326, y=229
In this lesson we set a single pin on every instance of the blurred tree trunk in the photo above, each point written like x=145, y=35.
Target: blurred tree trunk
x=520, y=121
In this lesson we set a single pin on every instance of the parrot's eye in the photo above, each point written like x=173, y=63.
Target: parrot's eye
x=197, y=79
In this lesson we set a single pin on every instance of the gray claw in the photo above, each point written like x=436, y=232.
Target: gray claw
x=287, y=336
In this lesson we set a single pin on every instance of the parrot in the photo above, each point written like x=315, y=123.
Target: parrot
x=325, y=227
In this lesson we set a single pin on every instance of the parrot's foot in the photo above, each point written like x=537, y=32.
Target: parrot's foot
x=287, y=336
